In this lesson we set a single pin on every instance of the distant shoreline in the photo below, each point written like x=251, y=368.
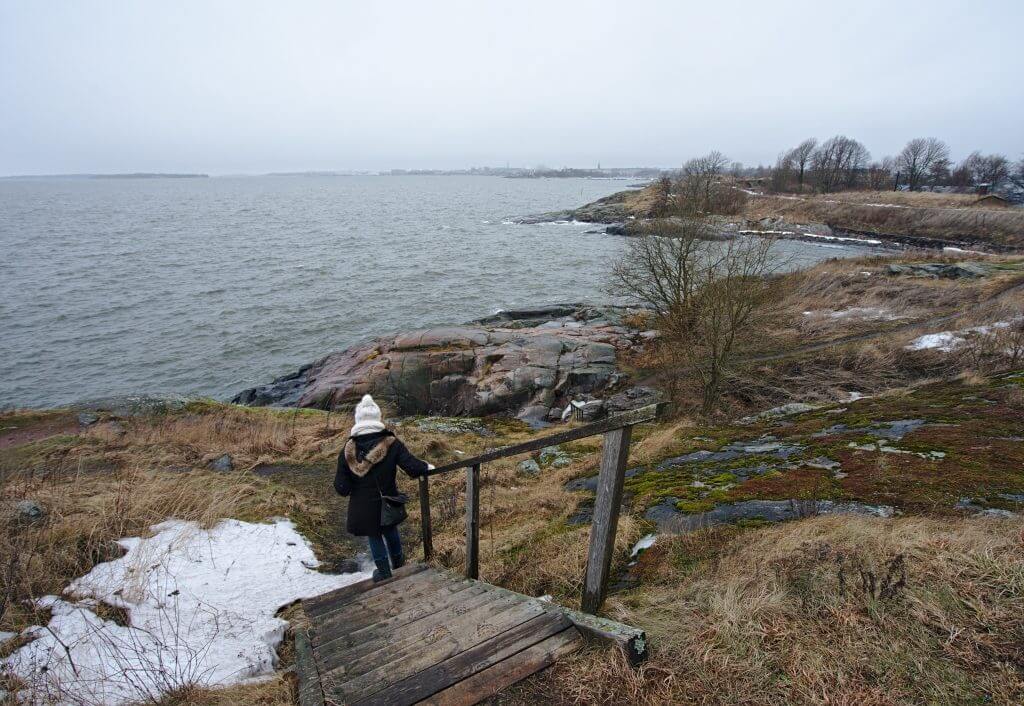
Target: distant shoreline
x=134, y=175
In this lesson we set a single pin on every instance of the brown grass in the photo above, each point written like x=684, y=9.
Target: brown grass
x=823, y=611
x=920, y=199
x=1000, y=227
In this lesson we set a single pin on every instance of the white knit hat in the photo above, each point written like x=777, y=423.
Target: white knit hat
x=368, y=418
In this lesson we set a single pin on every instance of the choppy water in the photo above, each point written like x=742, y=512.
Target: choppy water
x=207, y=286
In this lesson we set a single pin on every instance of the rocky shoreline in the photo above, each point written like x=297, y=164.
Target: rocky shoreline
x=530, y=363
x=623, y=214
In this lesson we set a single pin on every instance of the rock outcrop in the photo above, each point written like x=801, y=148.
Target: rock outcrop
x=531, y=363
x=610, y=209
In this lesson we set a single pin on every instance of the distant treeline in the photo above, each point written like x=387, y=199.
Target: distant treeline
x=841, y=163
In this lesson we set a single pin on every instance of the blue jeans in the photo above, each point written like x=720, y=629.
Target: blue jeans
x=387, y=542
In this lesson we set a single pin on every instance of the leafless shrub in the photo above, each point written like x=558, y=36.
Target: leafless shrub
x=709, y=299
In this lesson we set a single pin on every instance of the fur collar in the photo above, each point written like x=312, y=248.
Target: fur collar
x=373, y=457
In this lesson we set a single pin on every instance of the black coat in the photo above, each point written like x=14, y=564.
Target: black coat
x=364, y=491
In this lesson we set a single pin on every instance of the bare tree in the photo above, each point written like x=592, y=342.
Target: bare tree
x=661, y=205
x=783, y=173
x=800, y=158
x=919, y=157
x=708, y=299
x=880, y=174
x=992, y=169
x=1016, y=175
x=699, y=177
x=838, y=162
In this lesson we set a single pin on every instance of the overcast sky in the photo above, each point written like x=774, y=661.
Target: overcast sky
x=223, y=86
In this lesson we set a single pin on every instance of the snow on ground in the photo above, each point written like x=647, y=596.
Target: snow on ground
x=946, y=341
x=201, y=608
x=645, y=543
x=856, y=312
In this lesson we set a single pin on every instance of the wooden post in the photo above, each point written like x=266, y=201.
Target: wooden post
x=606, y=516
x=428, y=537
x=473, y=522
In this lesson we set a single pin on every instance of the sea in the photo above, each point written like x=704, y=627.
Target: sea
x=203, y=287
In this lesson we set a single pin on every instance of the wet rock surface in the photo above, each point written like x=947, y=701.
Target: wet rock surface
x=610, y=209
x=454, y=425
x=670, y=520
x=810, y=463
x=29, y=510
x=941, y=270
x=133, y=405
x=531, y=363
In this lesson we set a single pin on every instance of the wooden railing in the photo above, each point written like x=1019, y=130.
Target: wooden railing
x=617, y=430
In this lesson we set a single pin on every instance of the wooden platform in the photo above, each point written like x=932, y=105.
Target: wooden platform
x=425, y=636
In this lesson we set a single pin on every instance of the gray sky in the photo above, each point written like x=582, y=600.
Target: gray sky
x=243, y=86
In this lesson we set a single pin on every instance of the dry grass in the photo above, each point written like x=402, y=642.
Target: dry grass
x=823, y=611
x=1000, y=227
x=735, y=616
x=878, y=315
x=87, y=513
x=920, y=199
x=277, y=691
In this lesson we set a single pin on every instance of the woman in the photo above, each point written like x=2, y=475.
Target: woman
x=366, y=472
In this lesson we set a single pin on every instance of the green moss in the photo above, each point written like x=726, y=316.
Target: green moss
x=692, y=507
x=655, y=485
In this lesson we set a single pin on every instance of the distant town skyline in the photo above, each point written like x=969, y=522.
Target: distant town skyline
x=235, y=87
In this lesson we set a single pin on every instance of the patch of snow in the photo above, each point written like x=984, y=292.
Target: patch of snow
x=946, y=341
x=202, y=610
x=841, y=239
x=831, y=507
x=885, y=448
x=967, y=252
x=853, y=396
x=5, y=636
x=785, y=410
x=645, y=543
x=996, y=513
x=857, y=312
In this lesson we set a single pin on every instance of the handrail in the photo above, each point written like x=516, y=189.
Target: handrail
x=615, y=421
x=617, y=430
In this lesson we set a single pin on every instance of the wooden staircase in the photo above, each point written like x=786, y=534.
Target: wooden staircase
x=425, y=636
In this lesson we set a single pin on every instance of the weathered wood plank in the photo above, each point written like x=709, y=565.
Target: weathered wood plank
x=428, y=630
x=310, y=690
x=606, y=516
x=473, y=521
x=632, y=641
x=426, y=532
x=616, y=421
x=386, y=595
x=463, y=665
x=393, y=614
x=391, y=629
x=317, y=605
x=490, y=681
x=453, y=639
